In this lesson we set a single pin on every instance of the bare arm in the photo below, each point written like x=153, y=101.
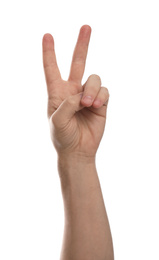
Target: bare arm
x=87, y=233
x=76, y=127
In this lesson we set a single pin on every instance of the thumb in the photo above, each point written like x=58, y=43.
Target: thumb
x=64, y=113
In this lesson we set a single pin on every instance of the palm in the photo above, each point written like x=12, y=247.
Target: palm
x=88, y=123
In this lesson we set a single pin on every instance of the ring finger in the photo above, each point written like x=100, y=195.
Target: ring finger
x=91, y=89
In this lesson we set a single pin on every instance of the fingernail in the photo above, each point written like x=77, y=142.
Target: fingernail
x=97, y=102
x=87, y=100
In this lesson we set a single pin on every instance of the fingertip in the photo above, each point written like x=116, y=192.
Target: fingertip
x=47, y=37
x=47, y=41
x=86, y=28
x=97, y=103
x=85, y=31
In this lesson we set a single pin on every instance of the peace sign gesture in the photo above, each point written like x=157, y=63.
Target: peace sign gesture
x=76, y=124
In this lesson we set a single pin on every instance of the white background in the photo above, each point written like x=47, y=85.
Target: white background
x=124, y=52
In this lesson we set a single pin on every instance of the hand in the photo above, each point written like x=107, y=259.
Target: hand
x=76, y=126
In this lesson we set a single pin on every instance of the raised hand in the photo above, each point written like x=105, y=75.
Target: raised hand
x=76, y=124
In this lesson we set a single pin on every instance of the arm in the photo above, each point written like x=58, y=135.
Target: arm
x=76, y=127
x=87, y=233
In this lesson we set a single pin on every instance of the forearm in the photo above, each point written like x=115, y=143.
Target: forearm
x=87, y=233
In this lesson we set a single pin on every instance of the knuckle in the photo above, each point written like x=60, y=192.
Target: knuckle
x=106, y=92
x=95, y=76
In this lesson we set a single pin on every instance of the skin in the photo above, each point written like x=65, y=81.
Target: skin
x=76, y=129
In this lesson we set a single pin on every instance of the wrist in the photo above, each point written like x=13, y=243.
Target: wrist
x=75, y=159
x=74, y=168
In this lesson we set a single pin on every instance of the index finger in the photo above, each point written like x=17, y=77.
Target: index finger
x=80, y=54
x=51, y=69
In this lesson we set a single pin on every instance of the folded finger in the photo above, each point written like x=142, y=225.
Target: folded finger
x=101, y=98
x=91, y=89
